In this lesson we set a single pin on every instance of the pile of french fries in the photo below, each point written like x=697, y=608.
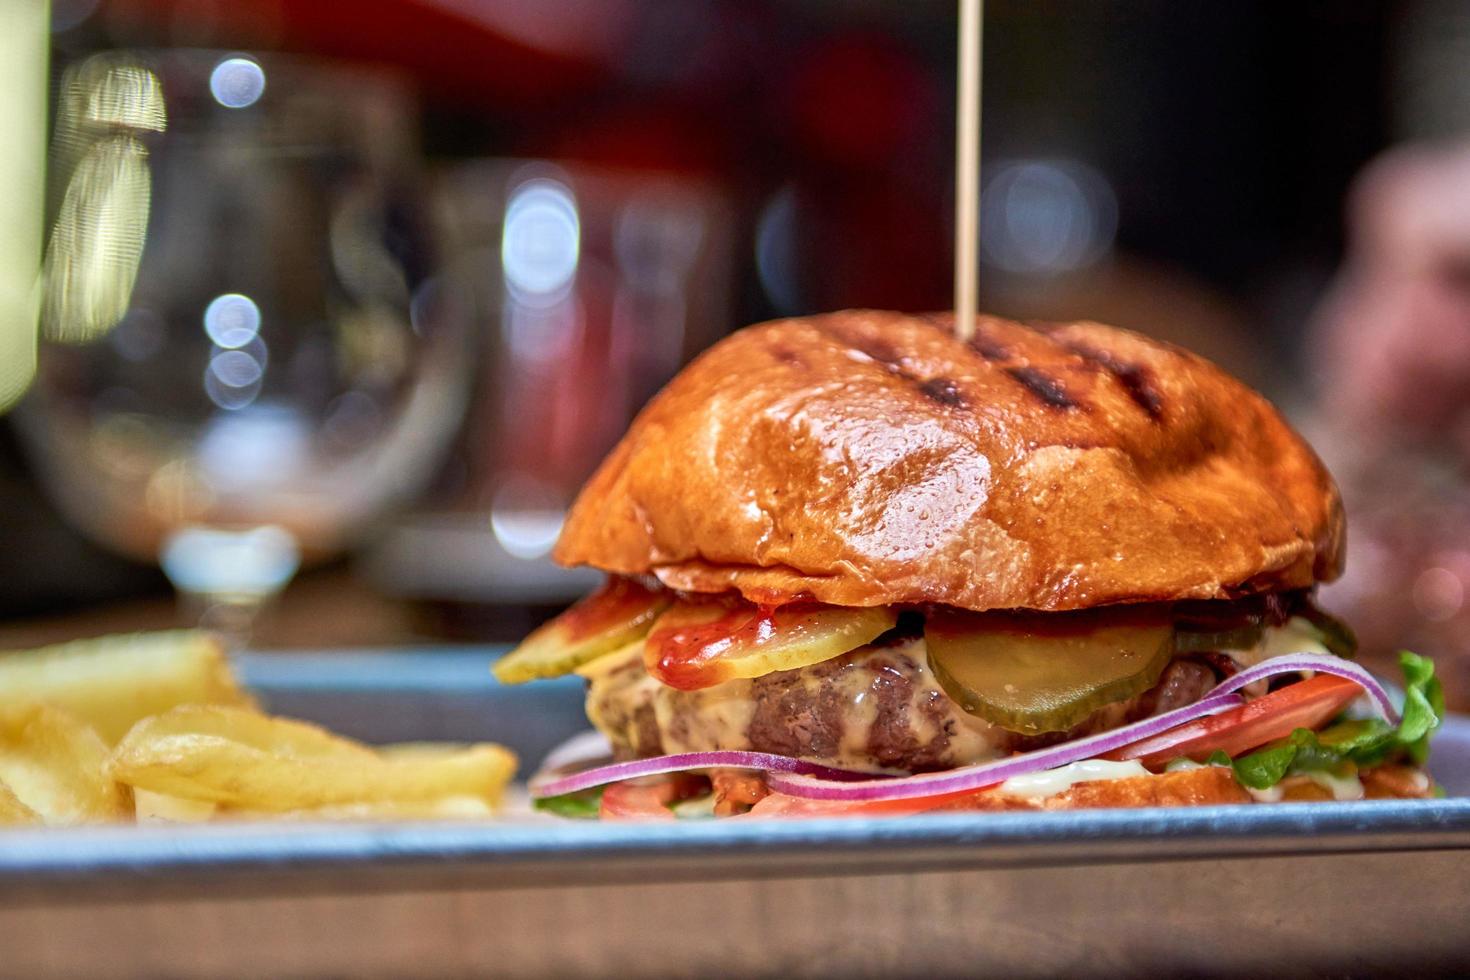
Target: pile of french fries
x=155, y=728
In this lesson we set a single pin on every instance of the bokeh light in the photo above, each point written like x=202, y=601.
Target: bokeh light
x=1046, y=217
x=541, y=241
x=526, y=517
x=255, y=448
x=540, y=248
x=232, y=320
x=222, y=562
x=233, y=378
x=776, y=258
x=237, y=83
x=1438, y=594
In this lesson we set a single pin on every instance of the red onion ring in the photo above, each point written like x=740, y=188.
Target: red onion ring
x=578, y=752
x=990, y=773
x=541, y=786
x=810, y=780
x=1322, y=664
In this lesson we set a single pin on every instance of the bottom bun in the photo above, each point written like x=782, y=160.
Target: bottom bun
x=1206, y=786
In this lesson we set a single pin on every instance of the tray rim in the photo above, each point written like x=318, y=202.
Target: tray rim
x=86, y=861
x=536, y=849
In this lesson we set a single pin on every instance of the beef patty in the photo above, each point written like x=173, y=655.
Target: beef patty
x=876, y=708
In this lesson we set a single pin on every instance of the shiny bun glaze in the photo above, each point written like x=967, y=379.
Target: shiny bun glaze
x=867, y=457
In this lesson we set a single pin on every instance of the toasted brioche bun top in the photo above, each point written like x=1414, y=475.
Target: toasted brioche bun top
x=864, y=458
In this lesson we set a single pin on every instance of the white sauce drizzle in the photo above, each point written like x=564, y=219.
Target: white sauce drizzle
x=1348, y=787
x=1038, y=785
x=1341, y=787
x=1184, y=764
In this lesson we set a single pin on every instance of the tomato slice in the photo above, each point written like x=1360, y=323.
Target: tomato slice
x=1305, y=704
x=648, y=799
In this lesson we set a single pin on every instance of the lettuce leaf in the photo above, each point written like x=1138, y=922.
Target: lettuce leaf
x=1348, y=746
x=586, y=805
x=1307, y=751
x=1423, y=704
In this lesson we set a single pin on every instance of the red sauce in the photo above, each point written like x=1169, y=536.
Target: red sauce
x=691, y=656
x=619, y=601
x=771, y=598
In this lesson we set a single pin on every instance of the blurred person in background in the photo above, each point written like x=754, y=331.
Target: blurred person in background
x=1390, y=350
x=1393, y=420
x=1394, y=333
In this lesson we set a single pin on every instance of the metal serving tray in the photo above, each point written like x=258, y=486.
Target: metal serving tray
x=1316, y=889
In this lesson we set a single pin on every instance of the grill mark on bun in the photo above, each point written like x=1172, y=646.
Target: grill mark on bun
x=787, y=356
x=880, y=353
x=981, y=343
x=944, y=391
x=1135, y=379
x=877, y=351
x=988, y=348
x=940, y=390
x=1043, y=386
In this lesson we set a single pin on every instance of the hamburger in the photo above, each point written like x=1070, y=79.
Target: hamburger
x=857, y=565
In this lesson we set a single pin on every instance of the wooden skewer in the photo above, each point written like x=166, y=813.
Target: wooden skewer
x=967, y=168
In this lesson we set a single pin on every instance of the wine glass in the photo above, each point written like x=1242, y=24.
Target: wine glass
x=244, y=361
x=590, y=286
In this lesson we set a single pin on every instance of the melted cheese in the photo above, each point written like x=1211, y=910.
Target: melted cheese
x=710, y=719
x=623, y=700
x=1039, y=785
x=1296, y=635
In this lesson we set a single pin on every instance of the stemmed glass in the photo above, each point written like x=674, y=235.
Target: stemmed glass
x=244, y=362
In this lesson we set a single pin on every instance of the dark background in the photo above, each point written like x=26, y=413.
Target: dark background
x=1229, y=133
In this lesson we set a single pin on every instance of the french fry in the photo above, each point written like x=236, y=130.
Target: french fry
x=191, y=747
x=55, y=765
x=250, y=762
x=158, y=808
x=270, y=735
x=113, y=682
x=13, y=812
x=152, y=808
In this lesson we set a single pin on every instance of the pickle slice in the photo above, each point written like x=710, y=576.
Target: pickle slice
x=620, y=612
x=1210, y=641
x=1337, y=636
x=700, y=644
x=1045, y=673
